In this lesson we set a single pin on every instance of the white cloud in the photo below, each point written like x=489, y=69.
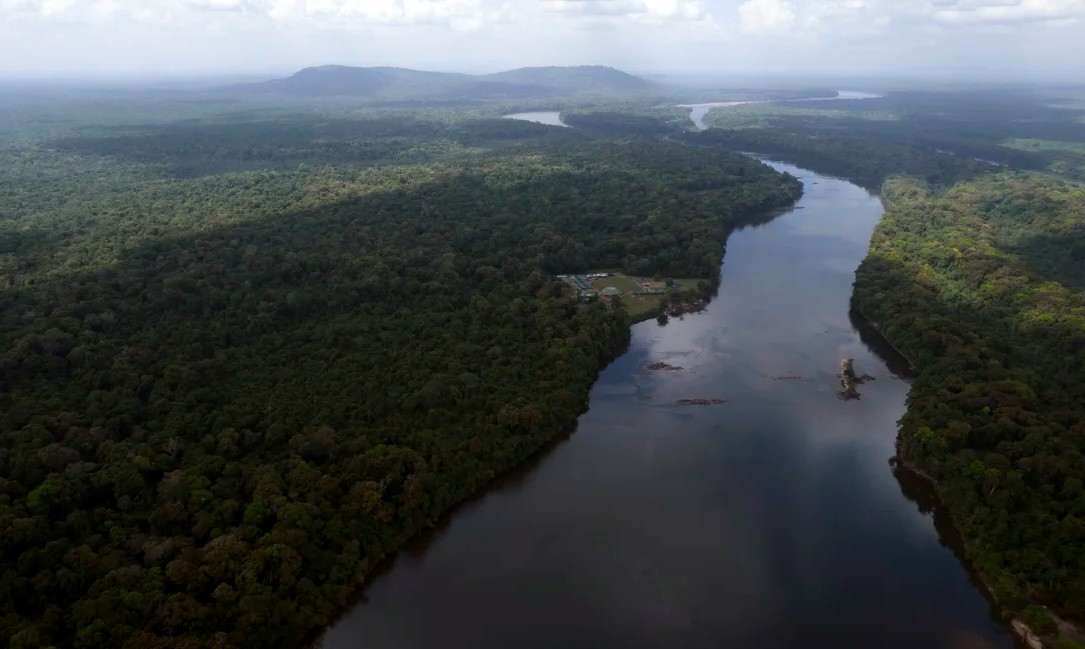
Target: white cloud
x=219, y=5
x=348, y=13
x=766, y=17
x=966, y=12
x=644, y=10
x=593, y=7
x=490, y=34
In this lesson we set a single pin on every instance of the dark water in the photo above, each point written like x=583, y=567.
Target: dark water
x=771, y=521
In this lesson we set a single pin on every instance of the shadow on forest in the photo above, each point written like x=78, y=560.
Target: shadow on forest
x=1055, y=257
x=263, y=283
x=26, y=239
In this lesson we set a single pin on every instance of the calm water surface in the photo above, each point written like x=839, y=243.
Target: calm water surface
x=697, y=112
x=550, y=118
x=772, y=521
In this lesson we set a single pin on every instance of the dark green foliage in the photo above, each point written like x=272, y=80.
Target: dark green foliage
x=864, y=158
x=224, y=398
x=621, y=122
x=1024, y=129
x=208, y=147
x=1038, y=620
x=964, y=282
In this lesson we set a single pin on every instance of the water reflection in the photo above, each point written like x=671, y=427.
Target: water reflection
x=550, y=118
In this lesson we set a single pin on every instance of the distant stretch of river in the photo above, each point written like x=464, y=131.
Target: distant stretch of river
x=550, y=117
x=697, y=112
x=771, y=521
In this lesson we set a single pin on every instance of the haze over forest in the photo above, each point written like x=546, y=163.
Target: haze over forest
x=968, y=39
x=531, y=323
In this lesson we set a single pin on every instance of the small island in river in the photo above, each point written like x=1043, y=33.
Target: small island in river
x=663, y=367
x=700, y=402
x=849, y=381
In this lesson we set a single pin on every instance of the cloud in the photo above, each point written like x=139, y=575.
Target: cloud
x=592, y=7
x=241, y=6
x=664, y=35
x=968, y=12
x=349, y=13
x=460, y=15
x=766, y=17
x=649, y=10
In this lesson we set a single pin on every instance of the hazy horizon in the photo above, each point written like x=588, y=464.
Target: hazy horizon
x=1013, y=40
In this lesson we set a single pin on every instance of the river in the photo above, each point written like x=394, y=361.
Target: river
x=548, y=117
x=771, y=521
x=697, y=112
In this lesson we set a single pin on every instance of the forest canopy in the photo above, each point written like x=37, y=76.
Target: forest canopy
x=980, y=284
x=245, y=359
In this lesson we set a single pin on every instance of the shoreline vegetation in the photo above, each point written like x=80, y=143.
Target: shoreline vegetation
x=695, y=300
x=973, y=425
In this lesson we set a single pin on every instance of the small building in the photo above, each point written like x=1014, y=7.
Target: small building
x=581, y=282
x=609, y=293
x=588, y=296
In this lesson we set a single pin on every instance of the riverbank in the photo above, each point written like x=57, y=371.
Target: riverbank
x=930, y=443
x=1021, y=630
x=511, y=475
x=1024, y=634
x=950, y=530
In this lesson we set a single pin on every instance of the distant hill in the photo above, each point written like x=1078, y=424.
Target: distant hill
x=581, y=77
x=384, y=83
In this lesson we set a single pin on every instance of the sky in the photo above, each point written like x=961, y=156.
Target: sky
x=963, y=39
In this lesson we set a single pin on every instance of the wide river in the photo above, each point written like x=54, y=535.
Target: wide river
x=773, y=520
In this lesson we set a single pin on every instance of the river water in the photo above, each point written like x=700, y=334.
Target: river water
x=548, y=117
x=697, y=112
x=770, y=521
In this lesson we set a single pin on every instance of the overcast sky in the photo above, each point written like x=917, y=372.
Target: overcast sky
x=900, y=37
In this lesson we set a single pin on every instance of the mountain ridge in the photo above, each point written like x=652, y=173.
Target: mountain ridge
x=383, y=82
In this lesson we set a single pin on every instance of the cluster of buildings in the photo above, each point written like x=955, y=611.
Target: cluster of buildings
x=587, y=291
x=581, y=282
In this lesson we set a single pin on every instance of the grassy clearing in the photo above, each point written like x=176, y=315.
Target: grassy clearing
x=642, y=306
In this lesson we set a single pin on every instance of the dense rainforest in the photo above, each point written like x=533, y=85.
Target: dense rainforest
x=244, y=359
x=977, y=275
x=980, y=285
x=1035, y=129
